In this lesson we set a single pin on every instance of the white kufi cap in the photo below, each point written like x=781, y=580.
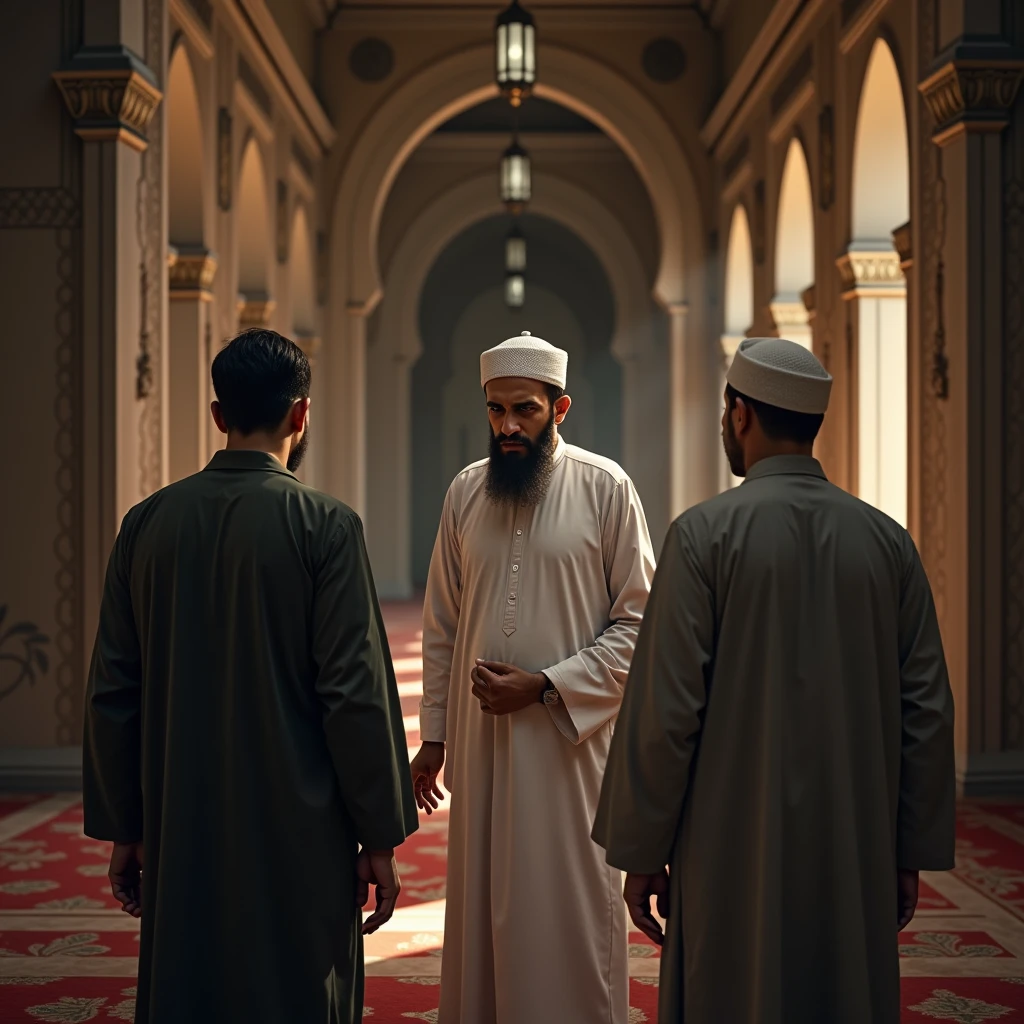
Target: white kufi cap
x=781, y=373
x=525, y=356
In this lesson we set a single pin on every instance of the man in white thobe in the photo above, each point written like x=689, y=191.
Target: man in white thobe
x=538, y=582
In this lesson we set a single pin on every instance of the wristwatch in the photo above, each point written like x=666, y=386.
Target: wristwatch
x=549, y=695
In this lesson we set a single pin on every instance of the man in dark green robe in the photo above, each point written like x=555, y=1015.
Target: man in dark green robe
x=785, y=743
x=243, y=733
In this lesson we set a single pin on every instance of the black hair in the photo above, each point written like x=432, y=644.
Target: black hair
x=780, y=424
x=257, y=376
x=554, y=393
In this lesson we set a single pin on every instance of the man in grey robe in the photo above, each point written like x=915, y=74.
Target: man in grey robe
x=536, y=589
x=785, y=743
x=243, y=731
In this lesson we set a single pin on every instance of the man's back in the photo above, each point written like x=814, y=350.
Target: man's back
x=271, y=741
x=791, y=658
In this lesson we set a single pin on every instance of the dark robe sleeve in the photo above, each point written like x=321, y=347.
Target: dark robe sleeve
x=112, y=745
x=356, y=685
x=926, y=819
x=648, y=768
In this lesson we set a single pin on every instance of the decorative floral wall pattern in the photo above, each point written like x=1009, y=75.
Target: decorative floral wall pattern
x=22, y=654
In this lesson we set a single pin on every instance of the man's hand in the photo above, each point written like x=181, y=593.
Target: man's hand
x=637, y=893
x=377, y=867
x=125, y=876
x=425, y=768
x=502, y=689
x=906, y=897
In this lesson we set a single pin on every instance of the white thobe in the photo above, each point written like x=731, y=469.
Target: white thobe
x=535, y=928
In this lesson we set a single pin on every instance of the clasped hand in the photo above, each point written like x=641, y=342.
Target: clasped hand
x=502, y=689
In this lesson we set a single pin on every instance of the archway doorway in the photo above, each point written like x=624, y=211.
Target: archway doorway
x=876, y=288
x=190, y=274
x=256, y=306
x=794, y=247
x=408, y=115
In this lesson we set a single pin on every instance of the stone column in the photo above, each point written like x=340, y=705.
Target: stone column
x=972, y=399
x=729, y=343
x=873, y=286
x=111, y=95
x=346, y=454
x=680, y=469
x=309, y=472
x=190, y=281
x=902, y=239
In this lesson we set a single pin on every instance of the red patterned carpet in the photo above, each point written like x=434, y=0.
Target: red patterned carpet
x=67, y=954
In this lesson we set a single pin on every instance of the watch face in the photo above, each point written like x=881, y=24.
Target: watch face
x=551, y=696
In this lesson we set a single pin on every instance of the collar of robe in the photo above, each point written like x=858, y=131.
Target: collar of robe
x=786, y=465
x=246, y=460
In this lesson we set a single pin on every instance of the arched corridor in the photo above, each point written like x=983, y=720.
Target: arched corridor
x=848, y=174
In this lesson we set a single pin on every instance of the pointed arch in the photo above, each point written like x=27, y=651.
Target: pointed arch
x=739, y=275
x=879, y=204
x=794, y=226
x=253, y=219
x=881, y=153
x=301, y=268
x=184, y=154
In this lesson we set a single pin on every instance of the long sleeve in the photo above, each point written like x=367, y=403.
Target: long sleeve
x=648, y=768
x=112, y=744
x=591, y=681
x=441, y=605
x=355, y=682
x=925, y=824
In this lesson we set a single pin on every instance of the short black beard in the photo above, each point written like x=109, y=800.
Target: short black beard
x=514, y=479
x=298, y=453
x=733, y=451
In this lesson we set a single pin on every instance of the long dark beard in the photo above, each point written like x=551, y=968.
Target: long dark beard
x=298, y=453
x=514, y=479
x=733, y=451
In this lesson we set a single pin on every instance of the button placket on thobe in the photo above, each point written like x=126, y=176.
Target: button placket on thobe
x=514, y=570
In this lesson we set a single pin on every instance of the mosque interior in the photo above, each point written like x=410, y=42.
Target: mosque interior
x=399, y=185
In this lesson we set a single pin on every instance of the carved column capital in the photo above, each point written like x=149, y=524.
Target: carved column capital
x=971, y=88
x=255, y=310
x=111, y=94
x=902, y=239
x=191, y=275
x=869, y=272
x=789, y=311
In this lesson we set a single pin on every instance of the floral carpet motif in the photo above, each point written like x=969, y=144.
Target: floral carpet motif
x=67, y=954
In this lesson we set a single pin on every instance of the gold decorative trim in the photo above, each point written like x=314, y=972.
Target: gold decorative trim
x=866, y=273
x=789, y=312
x=191, y=276
x=972, y=94
x=109, y=104
x=255, y=311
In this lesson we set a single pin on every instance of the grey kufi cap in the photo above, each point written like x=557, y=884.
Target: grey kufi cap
x=525, y=356
x=782, y=373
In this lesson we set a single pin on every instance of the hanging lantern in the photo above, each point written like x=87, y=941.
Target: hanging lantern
x=515, y=290
x=515, y=178
x=515, y=251
x=515, y=53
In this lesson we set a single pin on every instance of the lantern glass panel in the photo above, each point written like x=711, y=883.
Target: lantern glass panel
x=515, y=175
x=515, y=253
x=515, y=290
x=515, y=61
